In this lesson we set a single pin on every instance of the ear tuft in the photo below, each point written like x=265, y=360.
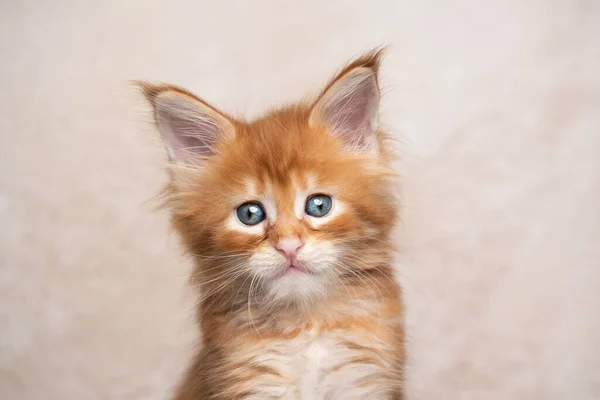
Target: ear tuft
x=349, y=105
x=190, y=127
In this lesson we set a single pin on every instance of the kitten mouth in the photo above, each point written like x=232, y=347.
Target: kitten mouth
x=294, y=267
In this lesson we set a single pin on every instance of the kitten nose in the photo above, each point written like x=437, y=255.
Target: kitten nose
x=289, y=246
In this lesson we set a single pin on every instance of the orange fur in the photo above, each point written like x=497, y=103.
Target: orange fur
x=256, y=345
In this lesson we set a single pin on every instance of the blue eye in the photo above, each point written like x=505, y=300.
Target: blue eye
x=318, y=205
x=250, y=213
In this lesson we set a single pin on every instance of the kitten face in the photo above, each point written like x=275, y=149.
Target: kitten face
x=295, y=258
x=298, y=248
x=286, y=207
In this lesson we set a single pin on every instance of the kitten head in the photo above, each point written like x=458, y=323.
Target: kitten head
x=287, y=206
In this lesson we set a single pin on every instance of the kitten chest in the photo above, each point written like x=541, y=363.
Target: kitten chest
x=314, y=366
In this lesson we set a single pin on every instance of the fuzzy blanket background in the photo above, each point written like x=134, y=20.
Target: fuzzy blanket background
x=496, y=105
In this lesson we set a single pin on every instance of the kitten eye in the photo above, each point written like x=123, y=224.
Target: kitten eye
x=250, y=213
x=318, y=205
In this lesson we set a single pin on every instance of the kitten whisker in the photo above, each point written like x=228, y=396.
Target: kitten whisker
x=249, y=307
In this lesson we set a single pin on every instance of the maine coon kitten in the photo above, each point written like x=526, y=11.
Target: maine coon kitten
x=288, y=220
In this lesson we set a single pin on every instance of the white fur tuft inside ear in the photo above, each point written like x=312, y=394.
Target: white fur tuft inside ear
x=349, y=108
x=189, y=128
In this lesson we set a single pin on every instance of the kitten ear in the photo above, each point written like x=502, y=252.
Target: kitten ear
x=190, y=128
x=349, y=105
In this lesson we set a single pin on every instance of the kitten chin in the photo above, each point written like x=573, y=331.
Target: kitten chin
x=288, y=219
x=297, y=288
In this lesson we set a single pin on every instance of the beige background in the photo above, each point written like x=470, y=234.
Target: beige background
x=497, y=108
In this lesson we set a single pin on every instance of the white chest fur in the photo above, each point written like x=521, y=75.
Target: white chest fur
x=319, y=367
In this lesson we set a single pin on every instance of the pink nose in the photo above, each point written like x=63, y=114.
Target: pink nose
x=289, y=246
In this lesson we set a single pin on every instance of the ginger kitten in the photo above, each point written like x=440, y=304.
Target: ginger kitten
x=288, y=220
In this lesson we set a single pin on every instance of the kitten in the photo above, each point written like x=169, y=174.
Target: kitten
x=288, y=220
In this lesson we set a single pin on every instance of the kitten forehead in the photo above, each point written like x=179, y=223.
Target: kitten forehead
x=311, y=181
x=251, y=187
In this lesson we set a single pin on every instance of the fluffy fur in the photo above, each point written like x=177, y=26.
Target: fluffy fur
x=332, y=330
